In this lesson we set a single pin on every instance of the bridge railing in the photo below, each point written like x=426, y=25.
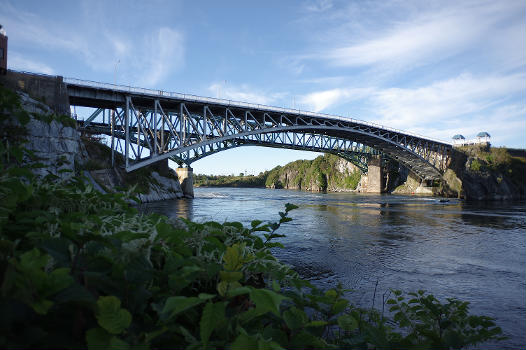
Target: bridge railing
x=231, y=103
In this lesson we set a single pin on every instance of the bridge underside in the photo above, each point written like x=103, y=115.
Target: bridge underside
x=147, y=129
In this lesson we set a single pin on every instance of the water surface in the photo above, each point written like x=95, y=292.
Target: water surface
x=472, y=251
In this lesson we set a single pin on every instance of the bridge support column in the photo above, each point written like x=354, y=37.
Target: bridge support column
x=375, y=176
x=186, y=179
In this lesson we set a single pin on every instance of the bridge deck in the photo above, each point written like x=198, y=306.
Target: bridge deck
x=96, y=94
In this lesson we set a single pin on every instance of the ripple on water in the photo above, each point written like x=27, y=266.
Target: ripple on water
x=473, y=251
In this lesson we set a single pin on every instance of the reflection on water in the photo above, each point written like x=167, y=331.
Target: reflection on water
x=171, y=208
x=473, y=251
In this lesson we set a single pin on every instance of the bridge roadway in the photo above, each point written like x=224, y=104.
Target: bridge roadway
x=156, y=125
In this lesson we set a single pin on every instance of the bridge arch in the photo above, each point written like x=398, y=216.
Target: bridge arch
x=156, y=125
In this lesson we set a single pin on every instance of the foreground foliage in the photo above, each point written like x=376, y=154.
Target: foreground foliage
x=81, y=269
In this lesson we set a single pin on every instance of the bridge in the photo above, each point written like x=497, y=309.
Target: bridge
x=149, y=126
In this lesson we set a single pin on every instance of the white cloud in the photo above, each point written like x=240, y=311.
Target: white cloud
x=465, y=104
x=164, y=54
x=243, y=93
x=144, y=58
x=320, y=100
x=19, y=62
x=319, y=5
x=444, y=101
x=425, y=35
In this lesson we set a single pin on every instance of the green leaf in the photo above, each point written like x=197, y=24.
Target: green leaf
x=175, y=305
x=206, y=296
x=266, y=300
x=238, y=291
x=295, y=318
x=339, y=306
x=58, y=280
x=230, y=276
x=255, y=223
x=244, y=342
x=42, y=306
x=97, y=338
x=317, y=323
x=111, y=316
x=289, y=207
x=275, y=286
x=212, y=317
x=233, y=257
x=347, y=322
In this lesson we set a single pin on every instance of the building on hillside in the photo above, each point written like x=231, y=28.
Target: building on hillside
x=483, y=138
x=458, y=139
x=3, y=51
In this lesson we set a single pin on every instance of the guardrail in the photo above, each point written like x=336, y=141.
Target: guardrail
x=231, y=103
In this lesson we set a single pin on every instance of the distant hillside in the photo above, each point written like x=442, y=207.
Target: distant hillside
x=325, y=173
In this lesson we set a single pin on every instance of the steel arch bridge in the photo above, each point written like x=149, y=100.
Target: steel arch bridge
x=148, y=126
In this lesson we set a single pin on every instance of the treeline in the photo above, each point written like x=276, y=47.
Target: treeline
x=230, y=180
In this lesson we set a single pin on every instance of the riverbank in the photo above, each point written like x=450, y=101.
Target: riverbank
x=372, y=242
x=474, y=173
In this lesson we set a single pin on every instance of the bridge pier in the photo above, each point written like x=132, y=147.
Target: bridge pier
x=375, y=177
x=186, y=179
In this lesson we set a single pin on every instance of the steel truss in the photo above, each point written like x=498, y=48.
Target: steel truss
x=147, y=130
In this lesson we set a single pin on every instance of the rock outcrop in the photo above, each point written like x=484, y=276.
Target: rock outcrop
x=62, y=152
x=325, y=173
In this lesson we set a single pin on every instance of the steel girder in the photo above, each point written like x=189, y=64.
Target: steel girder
x=153, y=129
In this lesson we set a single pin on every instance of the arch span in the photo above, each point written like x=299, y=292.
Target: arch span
x=150, y=126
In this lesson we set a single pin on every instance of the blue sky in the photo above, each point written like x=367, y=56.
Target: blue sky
x=437, y=68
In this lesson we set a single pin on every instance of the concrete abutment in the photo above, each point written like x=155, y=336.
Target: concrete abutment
x=186, y=179
x=375, y=176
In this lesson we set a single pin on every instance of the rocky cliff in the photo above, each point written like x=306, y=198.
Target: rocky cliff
x=482, y=173
x=474, y=173
x=325, y=173
x=61, y=151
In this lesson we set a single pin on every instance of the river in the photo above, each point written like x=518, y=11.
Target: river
x=475, y=252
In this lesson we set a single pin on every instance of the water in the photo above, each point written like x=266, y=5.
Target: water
x=472, y=251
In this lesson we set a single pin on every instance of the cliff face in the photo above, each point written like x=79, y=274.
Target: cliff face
x=481, y=173
x=475, y=173
x=61, y=151
x=325, y=173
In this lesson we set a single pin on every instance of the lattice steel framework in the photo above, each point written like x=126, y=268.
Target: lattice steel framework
x=147, y=126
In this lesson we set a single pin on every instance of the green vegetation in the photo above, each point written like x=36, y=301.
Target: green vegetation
x=81, y=269
x=230, y=180
x=320, y=174
x=498, y=159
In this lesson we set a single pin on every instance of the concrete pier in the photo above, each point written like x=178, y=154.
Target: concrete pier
x=186, y=179
x=375, y=176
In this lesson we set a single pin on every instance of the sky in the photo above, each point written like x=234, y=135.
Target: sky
x=436, y=68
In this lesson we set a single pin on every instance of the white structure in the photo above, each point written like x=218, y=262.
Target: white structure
x=482, y=138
